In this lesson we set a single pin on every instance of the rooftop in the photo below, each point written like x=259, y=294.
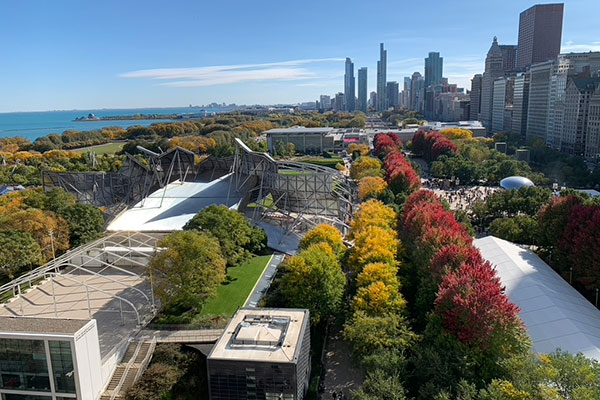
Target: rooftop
x=41, y=325
x=300, y=129
x=258, y=334
x=555, y=314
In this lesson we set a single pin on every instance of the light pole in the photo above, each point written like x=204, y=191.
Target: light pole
x=52, y=244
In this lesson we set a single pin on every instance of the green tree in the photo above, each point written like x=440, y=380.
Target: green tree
x=18, y=249
x=519, y=229
x=86, y=223
x=236, y=236
x=314, y=279
x=379, y=385
x=187, y=269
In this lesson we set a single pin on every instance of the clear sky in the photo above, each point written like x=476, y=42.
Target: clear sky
x=62, y=54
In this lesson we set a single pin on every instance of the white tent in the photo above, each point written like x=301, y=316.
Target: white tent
x=555, y=314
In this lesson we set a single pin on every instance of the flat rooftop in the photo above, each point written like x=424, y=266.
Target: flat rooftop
x=300, y=129
x=263, y=335
x=41, y=325
x=169, y=208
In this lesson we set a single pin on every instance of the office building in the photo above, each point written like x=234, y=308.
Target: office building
x=405, y=97
x=393, y=92
x=494, y=64
x=540, y=34
x=305, y=140
x=539, y=90
x=373, y=100
x=502, y=107
x=381, y=79
x=520, y=104
x=475, y=96
x=576, y=108
x=509, y=57
x=417, y=92
x=349, y=92
x=262, y=354
x=338, y=102
x=325, y=102
x=362, y=89
x=592, y=139
x=434, y=65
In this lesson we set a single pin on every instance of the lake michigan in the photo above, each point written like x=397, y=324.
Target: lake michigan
x=32, y=125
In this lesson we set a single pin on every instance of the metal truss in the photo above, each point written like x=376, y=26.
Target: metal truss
x=303, y=195
x=115, y=251
x=134, y=182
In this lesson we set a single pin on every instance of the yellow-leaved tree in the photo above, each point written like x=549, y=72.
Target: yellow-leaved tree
x=371, y=186
x=365, y=166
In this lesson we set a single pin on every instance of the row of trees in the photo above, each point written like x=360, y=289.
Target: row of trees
x=468, y=342
x=37, y=226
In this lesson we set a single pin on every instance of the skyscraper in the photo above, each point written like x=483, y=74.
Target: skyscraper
x=509, y=57
x=406, y=93
x=325, y=102
x=349, y=92
x=521, y=104
x=540, y=33
x=475, y=95
x=417, y=92
x=381, y=79
x=434, y=65
x=362, y=89
x=494, y=65
x=393, y=91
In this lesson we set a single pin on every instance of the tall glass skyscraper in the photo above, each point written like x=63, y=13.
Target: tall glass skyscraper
x=362, y=89
x=434, y=65
x=349, y=92
x=381, y=79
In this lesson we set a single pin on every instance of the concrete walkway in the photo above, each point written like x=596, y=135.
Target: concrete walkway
x=265, y=280
x=342, y=376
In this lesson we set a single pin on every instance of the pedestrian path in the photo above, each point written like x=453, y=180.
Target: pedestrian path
x=265, y=280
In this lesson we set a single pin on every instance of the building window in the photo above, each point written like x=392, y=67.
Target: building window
x=62, y=366
x=24, y=397
x=23, y=365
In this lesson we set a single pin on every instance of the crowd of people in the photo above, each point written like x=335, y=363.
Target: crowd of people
x=459, y=197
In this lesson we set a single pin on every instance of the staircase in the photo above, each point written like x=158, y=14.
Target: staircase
x=134, y=362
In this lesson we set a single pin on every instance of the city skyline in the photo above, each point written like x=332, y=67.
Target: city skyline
x=65, y=57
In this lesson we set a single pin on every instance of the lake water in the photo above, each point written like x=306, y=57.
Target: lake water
x=32, y=125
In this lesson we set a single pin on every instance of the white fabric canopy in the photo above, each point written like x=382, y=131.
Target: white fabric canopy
x=555, y=314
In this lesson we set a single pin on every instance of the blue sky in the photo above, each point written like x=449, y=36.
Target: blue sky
x=81, y=54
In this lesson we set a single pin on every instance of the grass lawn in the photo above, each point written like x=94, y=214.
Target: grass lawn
x=234, y=293
x=108, y=148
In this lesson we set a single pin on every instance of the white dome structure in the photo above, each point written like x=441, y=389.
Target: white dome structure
x=515, y=182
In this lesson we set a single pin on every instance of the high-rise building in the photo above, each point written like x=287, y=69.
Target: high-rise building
x=405, y=98
x=417, y=92
x=540, y=33
x=592, y=139
x=325, y=102
x=373, y=100
x=349, y=82
x=475, y=95
x=393, y=92
x=502, y=107
x=494, y=64
x=434, y=65
x=381, y=79
x=338, y=102
x=509, y=57
x=577, y=103
x=362, y=89
x=520, y=103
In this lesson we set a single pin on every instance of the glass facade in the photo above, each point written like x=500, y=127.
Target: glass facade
x=24, y=367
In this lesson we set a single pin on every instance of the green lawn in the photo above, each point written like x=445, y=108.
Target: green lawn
x=108, y=148
x=234, y=293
